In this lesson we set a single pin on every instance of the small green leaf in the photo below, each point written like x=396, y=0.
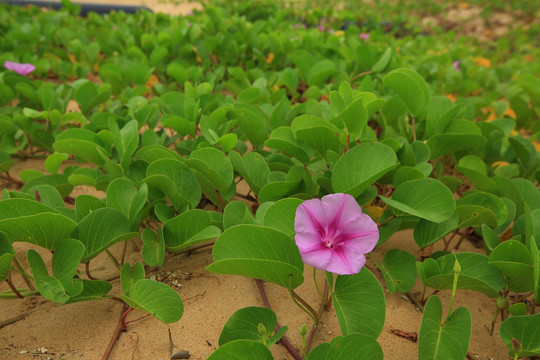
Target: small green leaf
x=92, y=290
x=237, y=212
x=242, y=350
x=188, y=229
x=244, y=325
x=214, y=165
x=6, y=255
x=280, y=215
x=427, y=232
x=515, y=261
x=351, y=347
x=129, y=276
x=157, y=299
x=525, y=329
x=153, y=251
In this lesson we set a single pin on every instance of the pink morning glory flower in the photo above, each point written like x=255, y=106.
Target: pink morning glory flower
x=364, y=36
x=333, y=234
x=455, y=64
x=321, y=28
x=23, y=69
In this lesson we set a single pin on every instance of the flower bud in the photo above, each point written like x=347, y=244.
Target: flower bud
x=262, y=329
x=516, y=345
x=303, y=330
x=457, y=267
x=502, y=303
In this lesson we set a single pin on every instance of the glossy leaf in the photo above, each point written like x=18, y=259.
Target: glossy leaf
x=411, y=87
x=515, y=261
x=427, y=232
x=237, y=212
x=399, y=271
x=280, y=215
x=351, y=347
x=214, y=165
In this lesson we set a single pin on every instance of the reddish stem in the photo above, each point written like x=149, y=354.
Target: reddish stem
x=284, y=340
x=116, y=335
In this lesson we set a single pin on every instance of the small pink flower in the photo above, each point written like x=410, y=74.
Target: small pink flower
x=321, y=28
x=455, y=64
x=333, y=234
x=364, y=36
x=296, y=26
x=23, y=69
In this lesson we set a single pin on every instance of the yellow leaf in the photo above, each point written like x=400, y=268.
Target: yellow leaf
x=536, y=145
x=499, y=164
x=481, y=61
x=375, y=212
x=511, y=113
x=152, y=80
x=464, y=5
x=339, y=33
x=270, y=58
x=71, y=57
x=275, y=88
x=528, y=58
x=452, y=97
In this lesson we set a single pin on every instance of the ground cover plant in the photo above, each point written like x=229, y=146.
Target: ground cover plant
x=343, y=130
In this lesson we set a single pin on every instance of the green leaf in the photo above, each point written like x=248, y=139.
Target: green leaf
x=399, y=271
x=282, y=138
x=153, y=251
x=187, y=229
x=242, y=350
x=53, y=162
x=488, y=201
x=81, y=143
x=351, y=347
x=253, y=122
x=92, y=290
x=277, y=190
x=280, y=215
x=62, y=284
x=317, y=133
x=518, y=309
x=475, y=215
x=535, y=254
x=214, y=165
x=359, y=303
x=28, y=221
x=85, y=204
x=361, y=166
x=427, y=232
x=355, y=118
x=175, y=180
x=320, y=72
x=6, y=255
x=525, y=329
x=244, y=325
x=259, y=252
x=237, y=212
x=410, y=87
x=47, y=195
x=101, y=229
x=426, y=198
x=443, y=341
x=476, y=273
x=157, y=299
x=460, y=135
x=129, y=276
x=252, y=167
x=515, y=261
x=122, y=195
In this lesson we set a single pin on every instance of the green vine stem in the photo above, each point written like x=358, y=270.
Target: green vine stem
x=304, y=306
x=12, y=287
x=317, y=286
x=325, y=305
x=113, y=259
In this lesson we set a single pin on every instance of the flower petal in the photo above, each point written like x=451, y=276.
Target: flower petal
x=346, y=261
x=340, y=209
x=318, y=259
x=360, y=234
x=310, y=217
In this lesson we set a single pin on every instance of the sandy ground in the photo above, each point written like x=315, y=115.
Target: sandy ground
x=83, y=331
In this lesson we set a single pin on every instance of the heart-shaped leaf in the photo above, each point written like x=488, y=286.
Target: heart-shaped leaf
x=92, y=290
x=122, y=195
x=236, y=213
x=129, y=276
x=214, y=165
x=153, y=251
x=259, y=252
x=399, y=271
x=515, y=261
x=443, y=341
x=427, y=232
